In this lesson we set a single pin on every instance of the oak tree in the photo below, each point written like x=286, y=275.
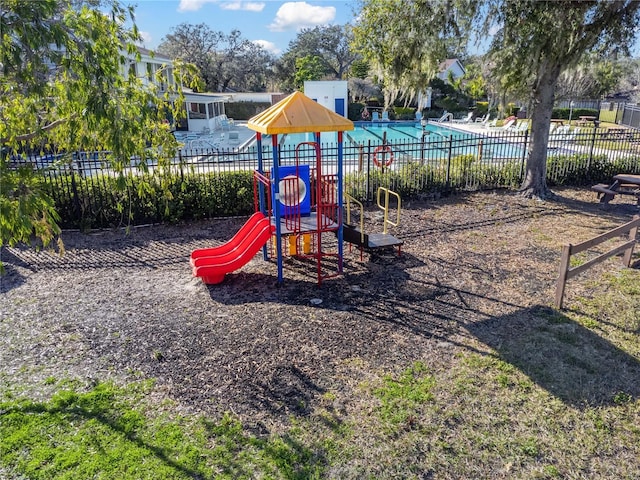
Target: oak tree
x=532, y=43
x=64, y=88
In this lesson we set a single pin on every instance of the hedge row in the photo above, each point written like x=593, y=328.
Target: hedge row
x=105, y=201
x=563, y=113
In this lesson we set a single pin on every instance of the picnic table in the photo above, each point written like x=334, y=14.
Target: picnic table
x=623, y=184
x=585, y=119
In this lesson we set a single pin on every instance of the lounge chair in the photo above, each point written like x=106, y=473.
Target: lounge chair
x=562, y=136
x=506, y=127
x=483, y=120
x=520, y=127
x=558, y=131
x=225, y=123
x=466, y=119
x=418, y=115
x=570, y=135
x=375, y=117
x=385, y=116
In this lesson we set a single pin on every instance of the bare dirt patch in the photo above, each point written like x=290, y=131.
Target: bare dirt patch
x=125, y=307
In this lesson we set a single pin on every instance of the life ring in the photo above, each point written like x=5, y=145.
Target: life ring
x=386, y=149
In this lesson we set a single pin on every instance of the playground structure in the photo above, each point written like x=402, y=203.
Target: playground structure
x=299, y=207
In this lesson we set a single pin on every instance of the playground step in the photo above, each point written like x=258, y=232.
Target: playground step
x=383, y=240
x=371, y=241
x=353, y=235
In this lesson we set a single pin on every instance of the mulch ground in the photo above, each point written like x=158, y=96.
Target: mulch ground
x=125, y=306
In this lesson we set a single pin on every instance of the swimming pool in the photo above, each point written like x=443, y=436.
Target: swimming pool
x=377, y=132
x=406, y=140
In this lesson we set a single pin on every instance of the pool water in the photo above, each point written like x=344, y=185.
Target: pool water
x=375, y=133
x=437, y=139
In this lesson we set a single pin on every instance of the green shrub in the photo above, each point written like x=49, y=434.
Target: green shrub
x=404, y=113
x=354, y=111
x=579, y=169
x=563, y=113
x=105, y=201
x=245, y=110
x=482, y=108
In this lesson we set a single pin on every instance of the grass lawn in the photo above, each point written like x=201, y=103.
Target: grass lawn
x=538, y=393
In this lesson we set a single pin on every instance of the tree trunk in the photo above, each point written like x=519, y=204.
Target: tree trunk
x=535, y=179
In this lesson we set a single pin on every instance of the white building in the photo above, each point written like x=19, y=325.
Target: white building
x=453, y=66
x=331, y=94
x=147, y=67
x=204, y=111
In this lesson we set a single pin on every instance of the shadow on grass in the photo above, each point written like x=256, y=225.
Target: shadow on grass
x=11, y=277
x=568, y=360
x=61, y=437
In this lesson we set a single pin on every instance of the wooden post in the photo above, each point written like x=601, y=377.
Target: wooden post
x=626, y=259
x=562, y=277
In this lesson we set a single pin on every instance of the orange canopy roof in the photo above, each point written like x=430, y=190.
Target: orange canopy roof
x=297, y=113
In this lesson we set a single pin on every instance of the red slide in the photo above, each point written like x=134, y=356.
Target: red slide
x=231, y=244
x=212, y=264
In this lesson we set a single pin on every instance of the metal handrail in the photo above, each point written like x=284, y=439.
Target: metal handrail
x=350, y=199
x=385, y=208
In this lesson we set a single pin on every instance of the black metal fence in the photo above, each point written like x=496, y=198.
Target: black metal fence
x=86, y=190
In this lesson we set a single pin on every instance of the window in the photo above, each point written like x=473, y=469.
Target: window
x=197, y=111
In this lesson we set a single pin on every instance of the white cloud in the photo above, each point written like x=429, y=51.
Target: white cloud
x=146, y=37
x=192, y=5
x=246, y=6
x=268, y=46
x=299, y=15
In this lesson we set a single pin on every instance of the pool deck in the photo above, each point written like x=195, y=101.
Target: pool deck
x=236, y=137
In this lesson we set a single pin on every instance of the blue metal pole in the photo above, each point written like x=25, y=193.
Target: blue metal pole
x=276, y=204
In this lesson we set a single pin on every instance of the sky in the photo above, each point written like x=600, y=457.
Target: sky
x=272, y=24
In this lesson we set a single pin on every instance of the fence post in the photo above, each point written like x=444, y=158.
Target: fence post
x=619, y=113
x=368, y=185
x=76, y=199
x=525, y=154
x=593, y=143
x=448, y=179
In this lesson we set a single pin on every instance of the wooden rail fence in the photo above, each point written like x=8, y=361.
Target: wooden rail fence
x=566, y=273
